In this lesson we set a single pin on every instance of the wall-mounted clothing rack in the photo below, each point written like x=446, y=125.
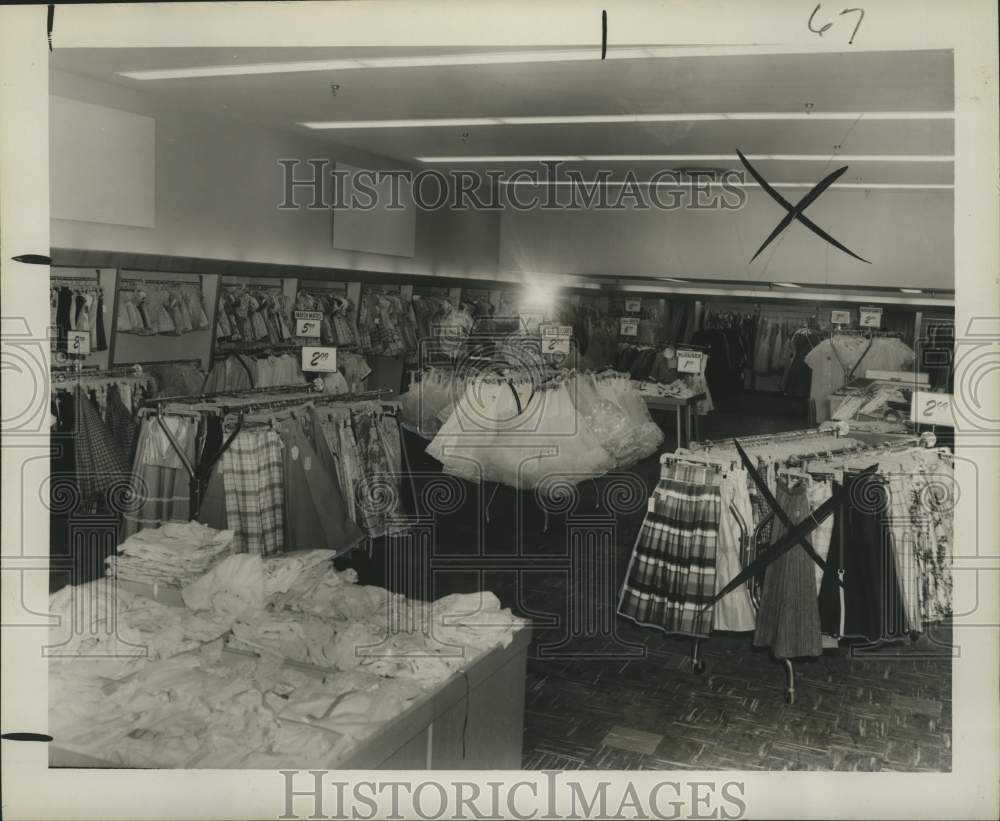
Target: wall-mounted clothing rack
x=64, y=279
x=131, y=283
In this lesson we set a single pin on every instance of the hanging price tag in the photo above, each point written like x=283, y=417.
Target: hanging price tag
x=629, y=326
x=932, y=409
x=307, y=323
x=319, y=359
x=633, y=305
x=78, y=343
x=840, y=317
x=555, y=338
x=870, y=318
x=691, y=362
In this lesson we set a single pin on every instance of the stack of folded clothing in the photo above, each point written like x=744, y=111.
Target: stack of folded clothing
x=175, y=553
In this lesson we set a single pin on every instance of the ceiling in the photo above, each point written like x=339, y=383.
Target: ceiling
x=861, y=83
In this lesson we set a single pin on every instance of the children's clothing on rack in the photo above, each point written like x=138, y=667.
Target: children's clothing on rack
x=842, y=356
x=338, y=327
x=77, y=306
x=149, y=307
x=386, y=324
x=176, y=378
x=252, y=315
x=886, y=548
x=231, y=373
x=293, y=476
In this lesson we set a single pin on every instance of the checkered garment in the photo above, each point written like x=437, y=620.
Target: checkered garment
x=671, y=575
x=119, y=419
x=101, y=462
x=255, y=499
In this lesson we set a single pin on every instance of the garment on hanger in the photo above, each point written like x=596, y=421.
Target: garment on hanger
x=160, y=482
x=788, y=621
x=735, y=611
x=672, y=573
x=252, y=470
x=316, y=514
x=862, y=557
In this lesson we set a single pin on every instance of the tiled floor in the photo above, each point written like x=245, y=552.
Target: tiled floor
x=618, y=696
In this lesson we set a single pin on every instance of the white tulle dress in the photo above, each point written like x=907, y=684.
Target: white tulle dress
x=527, y=437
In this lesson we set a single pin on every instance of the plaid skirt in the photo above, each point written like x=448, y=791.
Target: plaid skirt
x=671, y=575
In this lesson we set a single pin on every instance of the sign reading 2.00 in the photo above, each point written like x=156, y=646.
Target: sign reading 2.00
x=555, y=338
x=319, y=359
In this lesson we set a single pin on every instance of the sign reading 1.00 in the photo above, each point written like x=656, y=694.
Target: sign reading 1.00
x=690, y=361
x=319, y=359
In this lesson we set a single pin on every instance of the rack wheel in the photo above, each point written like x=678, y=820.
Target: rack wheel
x=789, y=696
x=699, y=667
x=914, y=636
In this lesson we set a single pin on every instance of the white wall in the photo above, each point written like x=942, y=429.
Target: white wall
x=218, y=185
x=908, y=236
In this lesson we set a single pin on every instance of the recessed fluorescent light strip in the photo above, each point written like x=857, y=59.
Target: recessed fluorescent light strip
x=469, y=59
x=734, y=184
x=911, y=290
x=787, y=285
x=689, y=158
x=470, y=122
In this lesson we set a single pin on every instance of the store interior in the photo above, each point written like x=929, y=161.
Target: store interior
x=522, y=420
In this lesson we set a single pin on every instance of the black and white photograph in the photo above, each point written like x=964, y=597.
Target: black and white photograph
x=452, y=410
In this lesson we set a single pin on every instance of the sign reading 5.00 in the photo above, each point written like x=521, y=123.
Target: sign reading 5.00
x=307, y=323
x=629, y=326
x=319, y=359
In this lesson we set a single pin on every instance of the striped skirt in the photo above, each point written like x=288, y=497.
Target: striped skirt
x=671, y=575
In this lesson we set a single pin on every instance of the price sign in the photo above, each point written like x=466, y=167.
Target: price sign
x=932, y=409
x=691, y=362
x=78, y=343
x=870, y=318
x=629, y=326
x=555, y=338
x=319, y=359
x=307, y=323
x=633, y=305
x=840, y=317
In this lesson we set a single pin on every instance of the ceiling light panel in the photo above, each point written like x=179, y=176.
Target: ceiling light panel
x=468, y=59
x=684, y=158
x=472, y=122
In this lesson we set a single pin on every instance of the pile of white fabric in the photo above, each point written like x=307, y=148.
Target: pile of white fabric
x=138, y=683
x=175, y=553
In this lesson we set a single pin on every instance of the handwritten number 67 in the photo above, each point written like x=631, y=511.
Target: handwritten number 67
x=827, y=26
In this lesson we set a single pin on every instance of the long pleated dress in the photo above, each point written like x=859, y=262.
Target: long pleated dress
x=788, y=620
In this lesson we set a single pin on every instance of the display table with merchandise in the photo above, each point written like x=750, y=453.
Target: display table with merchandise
x=684, y=407
x=283, y=661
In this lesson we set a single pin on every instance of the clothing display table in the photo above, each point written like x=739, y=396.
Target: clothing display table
x=683, y=407
x=474, y=720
